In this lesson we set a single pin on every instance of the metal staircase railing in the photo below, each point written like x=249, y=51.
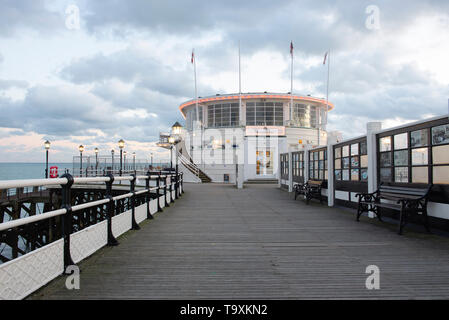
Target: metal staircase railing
x=189, y=165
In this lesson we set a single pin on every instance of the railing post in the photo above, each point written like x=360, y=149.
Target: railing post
x=181, y=174
x=148, y=196
x=135, y=226
x=165, y=192
x=158, y=184
x=176, y=183
x=112, y=241
x=66, y=221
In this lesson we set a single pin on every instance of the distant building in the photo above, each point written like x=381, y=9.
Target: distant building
x=252, y=133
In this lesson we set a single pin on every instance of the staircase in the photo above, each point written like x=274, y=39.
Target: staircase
x=193, y=168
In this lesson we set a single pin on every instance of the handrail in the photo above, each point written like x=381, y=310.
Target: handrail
x=22, y=221
x=63, y=181
x=189, y=165
x=9, y=184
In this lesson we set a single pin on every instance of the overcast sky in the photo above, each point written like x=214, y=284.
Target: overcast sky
x=125, y=68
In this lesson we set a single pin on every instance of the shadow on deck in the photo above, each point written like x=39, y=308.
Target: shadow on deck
x=258, y=243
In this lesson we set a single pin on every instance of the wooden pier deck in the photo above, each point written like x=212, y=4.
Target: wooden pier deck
x=217, y=242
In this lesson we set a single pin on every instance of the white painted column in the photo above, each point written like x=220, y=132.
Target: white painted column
x=290, y=171
x=306, y=164
x=330, y=171
x=240, y=168
x=279, y=170
x=371, y=145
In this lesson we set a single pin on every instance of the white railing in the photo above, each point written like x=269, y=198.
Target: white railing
x=32, y=270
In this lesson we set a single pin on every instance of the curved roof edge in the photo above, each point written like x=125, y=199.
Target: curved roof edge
x=235, y=96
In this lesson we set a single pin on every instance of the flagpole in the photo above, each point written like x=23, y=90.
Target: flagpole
x=240, y=89
x=291, y=86
x=328, y=70
x=196, y=89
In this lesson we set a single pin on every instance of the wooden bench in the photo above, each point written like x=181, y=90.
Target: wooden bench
x=402, y=199
x=300, y=188
x=313, y=190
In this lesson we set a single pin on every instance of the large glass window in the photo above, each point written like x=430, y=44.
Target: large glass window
x=191, y=116
x=298, y=166
x=264, y=114
x=417, y=156
x=305, y=115
x=318, y=164
x=351, y=161
x=223, y=115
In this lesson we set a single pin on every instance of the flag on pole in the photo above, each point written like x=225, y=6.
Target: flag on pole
x=325, y=57
x=291, y=48
x=193, y=57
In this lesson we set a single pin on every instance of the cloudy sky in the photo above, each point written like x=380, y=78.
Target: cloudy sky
x=123, y=70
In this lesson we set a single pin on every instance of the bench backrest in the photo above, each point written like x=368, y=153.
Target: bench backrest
x=403, y=192
x=315, y=182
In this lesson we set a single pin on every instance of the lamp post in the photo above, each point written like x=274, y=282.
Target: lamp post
x=124, y=160
x=96, y=160
x=112, y=168
x=47, y=147
x=134, y=162
x=121, y=145
x=171, y=141
x=81, y=149
x=176, y=131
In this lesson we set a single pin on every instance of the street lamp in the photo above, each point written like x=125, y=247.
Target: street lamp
x=176, y=128
x=124, y=160
x=171, y=141
x=96, y=160
x=121, y=145
x=134, y=161
x=112, y=153
x=47, y=147
x=81, y=149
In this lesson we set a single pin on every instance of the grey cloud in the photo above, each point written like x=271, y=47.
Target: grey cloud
x=29, y=14
x=267, y=24
x=130, y=67
x=63, y=112
x=6, y=84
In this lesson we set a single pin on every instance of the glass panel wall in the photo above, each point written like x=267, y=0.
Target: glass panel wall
x=305, y=115
x=191, y=116
x=264, y=114
x=223, y=115
x=318, y=164
x=416, y=154
x=298, y=166
x=351, y=161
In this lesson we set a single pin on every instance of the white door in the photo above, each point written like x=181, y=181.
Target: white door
x=264, y=162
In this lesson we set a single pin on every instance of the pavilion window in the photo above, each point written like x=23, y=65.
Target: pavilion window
x=351, y=161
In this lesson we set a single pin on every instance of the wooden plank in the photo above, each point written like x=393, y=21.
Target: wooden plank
x=217, y=242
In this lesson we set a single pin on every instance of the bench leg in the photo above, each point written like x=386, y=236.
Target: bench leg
x=296, y=194
x=359, y=212
x=378, y=215
x=426, y=220
x=401, y=220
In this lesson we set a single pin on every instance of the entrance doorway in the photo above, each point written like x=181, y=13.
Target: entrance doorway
x=264, y=162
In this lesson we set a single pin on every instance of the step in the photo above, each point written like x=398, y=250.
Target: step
x=261, y=181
